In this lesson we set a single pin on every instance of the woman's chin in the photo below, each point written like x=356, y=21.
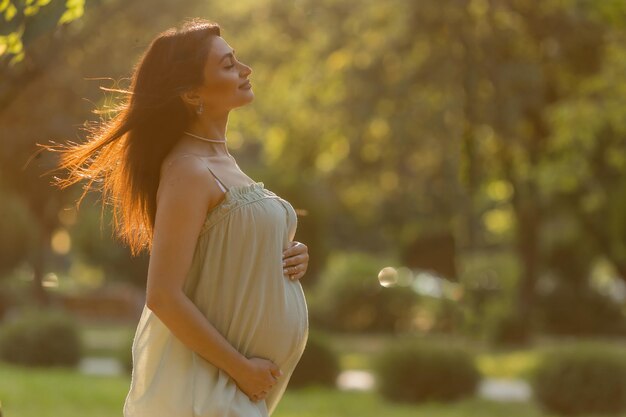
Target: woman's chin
x=248, y=99
x=243, y=100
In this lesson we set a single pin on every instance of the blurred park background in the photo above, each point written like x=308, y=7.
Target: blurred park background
x=459, y=170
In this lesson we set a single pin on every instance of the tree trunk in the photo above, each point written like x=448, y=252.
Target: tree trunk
x=528, y=226
x=469, y=170
x=39, y=265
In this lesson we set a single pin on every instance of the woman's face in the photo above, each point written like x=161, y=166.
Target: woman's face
x=226, y=84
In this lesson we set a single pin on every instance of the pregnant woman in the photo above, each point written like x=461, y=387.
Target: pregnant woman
x=225, y=320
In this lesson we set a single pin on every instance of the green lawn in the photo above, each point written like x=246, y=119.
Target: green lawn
x=27, y=392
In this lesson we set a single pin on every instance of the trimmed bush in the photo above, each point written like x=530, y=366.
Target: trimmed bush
x=41, y=338
x=418, y=372
x=349, y=297
x=319, y=364
x=582, y=379
x=580, y=311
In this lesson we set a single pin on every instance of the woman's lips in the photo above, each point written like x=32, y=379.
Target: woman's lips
x=246, y=85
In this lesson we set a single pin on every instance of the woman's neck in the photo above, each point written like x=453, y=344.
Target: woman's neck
x=210, y=134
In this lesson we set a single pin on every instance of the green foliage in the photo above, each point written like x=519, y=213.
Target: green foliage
x=581, y=379
x=509, y=330
x=420, y=372
x=491, y=119
x=96, y=246
x=41, y=338
x=489, y=281
x=319, y=364
x=8, y=9
x=349, y=297
x=75, y=10
x=18, y=231
x=11, y=43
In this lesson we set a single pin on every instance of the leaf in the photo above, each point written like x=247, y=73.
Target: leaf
x=3, y=45
x=31, y=10
x=17, y=58
x=72, y=13
x=15, y=45
x=10, y=12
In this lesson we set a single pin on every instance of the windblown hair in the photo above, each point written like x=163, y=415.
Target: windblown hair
x=122, y=156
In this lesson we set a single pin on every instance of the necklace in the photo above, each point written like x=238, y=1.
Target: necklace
x=205, y=139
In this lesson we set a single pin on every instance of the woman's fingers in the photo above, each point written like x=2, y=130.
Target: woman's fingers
x=294, y=268
x=295, y=264
x=295, y=248
x=296, y=276
x=295, y=272
x=295, y=260
x=259, y=396
x=275, y=372
x=262, y=378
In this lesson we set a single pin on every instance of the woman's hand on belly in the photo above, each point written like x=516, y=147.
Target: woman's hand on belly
x=295, y=260
x=257, y=378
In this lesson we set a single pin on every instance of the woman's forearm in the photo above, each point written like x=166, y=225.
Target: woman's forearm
x=188, y=324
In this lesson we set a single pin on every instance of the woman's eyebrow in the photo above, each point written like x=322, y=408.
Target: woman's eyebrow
x=230, y=54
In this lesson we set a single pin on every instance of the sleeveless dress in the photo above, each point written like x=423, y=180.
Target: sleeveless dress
x=236, y=280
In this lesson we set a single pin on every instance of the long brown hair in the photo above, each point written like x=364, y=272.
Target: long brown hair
x=122, y=156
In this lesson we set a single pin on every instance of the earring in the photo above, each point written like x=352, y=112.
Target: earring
x=199, y=109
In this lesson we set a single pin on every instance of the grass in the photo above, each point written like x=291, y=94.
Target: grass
x=317, y=402
x=515, y=364
x=31, y=392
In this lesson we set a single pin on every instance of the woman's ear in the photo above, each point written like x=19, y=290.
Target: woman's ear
x=191, y=98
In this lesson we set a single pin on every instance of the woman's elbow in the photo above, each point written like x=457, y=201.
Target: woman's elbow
x=158, y=300
x=152, y=301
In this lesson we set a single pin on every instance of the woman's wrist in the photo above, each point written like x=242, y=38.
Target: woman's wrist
x=237, y=366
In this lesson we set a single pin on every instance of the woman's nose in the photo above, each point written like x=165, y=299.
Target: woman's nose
x=246, y=70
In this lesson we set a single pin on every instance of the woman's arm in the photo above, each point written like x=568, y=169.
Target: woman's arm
x=187, y=190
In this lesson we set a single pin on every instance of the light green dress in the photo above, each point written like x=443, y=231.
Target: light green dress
x=236, y=279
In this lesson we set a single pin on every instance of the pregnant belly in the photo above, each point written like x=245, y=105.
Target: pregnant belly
x=282, y=327
x=268, y=321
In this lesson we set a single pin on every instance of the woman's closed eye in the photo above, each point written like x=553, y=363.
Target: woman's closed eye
x=231, y=64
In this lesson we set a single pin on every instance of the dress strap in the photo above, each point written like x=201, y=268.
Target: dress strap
x=219, y=182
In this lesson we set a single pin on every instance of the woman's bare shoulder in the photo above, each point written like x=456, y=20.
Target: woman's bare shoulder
x=181, y=161
x=187, y=176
